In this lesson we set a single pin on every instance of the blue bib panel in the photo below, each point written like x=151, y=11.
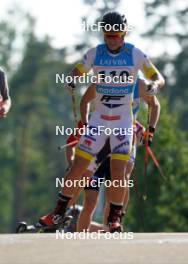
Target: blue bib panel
x=120, y=65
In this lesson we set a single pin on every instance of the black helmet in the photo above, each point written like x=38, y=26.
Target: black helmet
x=114, y=19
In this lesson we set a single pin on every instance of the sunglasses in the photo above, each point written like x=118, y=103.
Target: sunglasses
x=114, y=35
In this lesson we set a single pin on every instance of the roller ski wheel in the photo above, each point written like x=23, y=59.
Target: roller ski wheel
x=24, y=228
x=67, y=220
x=38, y=228
x=21, y=228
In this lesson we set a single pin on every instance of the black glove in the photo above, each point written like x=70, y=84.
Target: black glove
x=148, y=135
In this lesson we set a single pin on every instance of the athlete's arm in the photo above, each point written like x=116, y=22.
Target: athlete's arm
x=155, y=111
x=89, y=95
x=152, y=102
x=148, y=68
x=81, y=68
x=6, y=101
x=156, y=77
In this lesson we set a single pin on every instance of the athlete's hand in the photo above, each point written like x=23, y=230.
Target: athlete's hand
x=148, y=136
x=139, y=130
x=70, y=87
x=151, y=89
x=3, y=110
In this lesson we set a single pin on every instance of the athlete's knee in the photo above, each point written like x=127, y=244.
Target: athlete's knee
x=80, y=164
x=128, y=170
x=118, y=165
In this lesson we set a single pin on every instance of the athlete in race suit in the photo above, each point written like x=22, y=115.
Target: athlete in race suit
x=5, y=101
x=103, y=159
x=113, y=102
x=113, y=110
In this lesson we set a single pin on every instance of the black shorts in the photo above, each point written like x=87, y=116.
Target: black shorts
x=101, y=174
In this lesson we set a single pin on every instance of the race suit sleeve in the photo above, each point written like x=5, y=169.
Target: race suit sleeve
x=87, y=62
x=144, y=64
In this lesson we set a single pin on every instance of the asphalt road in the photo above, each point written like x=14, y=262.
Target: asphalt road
x=146, y=248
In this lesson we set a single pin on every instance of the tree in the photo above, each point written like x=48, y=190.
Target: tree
x=169, y=23
x=165, y=209
x=30, y=161
x=7, y=37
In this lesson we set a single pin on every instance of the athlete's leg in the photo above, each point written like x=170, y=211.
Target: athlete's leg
x=91, y=197
x=80, y=165
x=109, y=196
x=90, y=202
x=116, y=195
x=89, y=145
x=121, y=146
x=75, y=196
x=106, y=207
x=86, y=176
x=128, y=171
x=117, y=192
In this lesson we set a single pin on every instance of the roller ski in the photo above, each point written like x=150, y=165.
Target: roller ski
x=40, y=228
x=67, y=224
